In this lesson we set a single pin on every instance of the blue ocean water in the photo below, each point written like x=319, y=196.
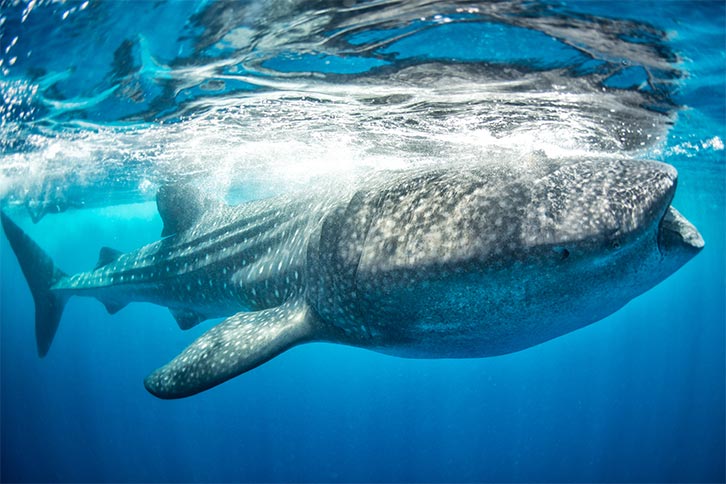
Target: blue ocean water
x=105, y=101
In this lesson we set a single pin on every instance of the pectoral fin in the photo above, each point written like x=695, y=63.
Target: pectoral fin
x=234, y=346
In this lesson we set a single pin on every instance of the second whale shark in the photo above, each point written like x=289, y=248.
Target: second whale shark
x=438, y=263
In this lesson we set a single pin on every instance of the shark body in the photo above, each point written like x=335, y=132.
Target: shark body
x=467, y=262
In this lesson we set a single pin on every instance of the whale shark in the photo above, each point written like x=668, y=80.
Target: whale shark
x=442, y=262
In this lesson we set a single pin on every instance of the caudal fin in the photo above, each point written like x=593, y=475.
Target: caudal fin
x=41, y=274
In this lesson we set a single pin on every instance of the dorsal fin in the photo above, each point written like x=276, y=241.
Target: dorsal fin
x=186, y=318
x=106, y=256
x=234, y=346
x=180, y=206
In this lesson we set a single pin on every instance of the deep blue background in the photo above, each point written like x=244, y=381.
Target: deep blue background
x=636, y=397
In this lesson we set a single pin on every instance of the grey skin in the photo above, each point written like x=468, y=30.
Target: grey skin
x=446, y=263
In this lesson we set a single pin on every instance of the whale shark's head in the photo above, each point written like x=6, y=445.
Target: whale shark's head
x=493, y=259
x=602, y=212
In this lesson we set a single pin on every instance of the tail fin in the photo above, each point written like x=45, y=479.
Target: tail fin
x=41, y=274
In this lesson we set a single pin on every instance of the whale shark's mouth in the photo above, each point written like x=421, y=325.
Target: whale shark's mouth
x=675, y=232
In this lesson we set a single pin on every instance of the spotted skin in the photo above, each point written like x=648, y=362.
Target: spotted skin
x=228, y=261
x=456, y=262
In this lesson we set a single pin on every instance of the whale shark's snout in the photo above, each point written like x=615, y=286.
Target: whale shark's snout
x=677, y=239
x=676, y=235
x=596, y=207
x=616, y=205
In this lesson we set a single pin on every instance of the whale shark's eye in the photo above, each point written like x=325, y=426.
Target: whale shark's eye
x=563, y=253
x=615, y=244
